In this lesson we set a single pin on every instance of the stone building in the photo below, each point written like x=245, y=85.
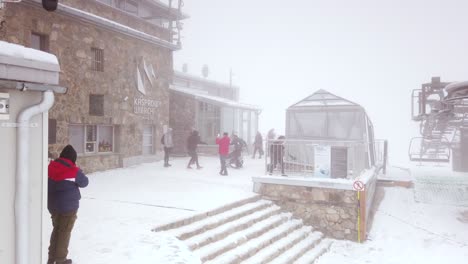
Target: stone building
x=211, y=108
x=116, y=61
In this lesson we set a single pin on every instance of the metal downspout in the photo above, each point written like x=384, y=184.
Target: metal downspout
x=22, y=176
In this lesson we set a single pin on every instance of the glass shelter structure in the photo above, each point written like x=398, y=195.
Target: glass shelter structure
x=338, y=128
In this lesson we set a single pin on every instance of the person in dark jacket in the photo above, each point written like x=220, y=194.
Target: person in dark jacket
x=276, y=154
x=192, y=145
x=258, y=146
x=236, y=156
x=63, y=201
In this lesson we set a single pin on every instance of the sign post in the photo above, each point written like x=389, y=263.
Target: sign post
x=359, y=186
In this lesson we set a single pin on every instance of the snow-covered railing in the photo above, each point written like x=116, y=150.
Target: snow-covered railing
x=323, y=158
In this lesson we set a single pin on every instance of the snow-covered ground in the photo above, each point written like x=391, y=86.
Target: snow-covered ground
x=120, y=207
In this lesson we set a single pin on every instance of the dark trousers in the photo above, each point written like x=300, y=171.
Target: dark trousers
x=60, y=237
x=260, y=151
x=275, y=161
x=223, y=159
x=167, y=151
x=193, y=158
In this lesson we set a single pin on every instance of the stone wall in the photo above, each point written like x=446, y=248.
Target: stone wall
x=71, y=41
x=182, y=116
x=333, y=211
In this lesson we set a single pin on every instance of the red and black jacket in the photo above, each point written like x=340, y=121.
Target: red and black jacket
x=65, y=179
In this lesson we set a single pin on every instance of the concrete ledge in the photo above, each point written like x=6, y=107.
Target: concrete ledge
x=340, y=184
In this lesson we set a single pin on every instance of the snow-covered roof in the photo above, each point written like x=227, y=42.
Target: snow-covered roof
x=29, y=65
x=323, y=98
x=203, y=95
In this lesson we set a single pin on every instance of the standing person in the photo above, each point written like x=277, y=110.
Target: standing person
x=223, y=149
x=64, y=181
x=258, y=145
x=192, y=144
x=166, y=141
x=276, y=155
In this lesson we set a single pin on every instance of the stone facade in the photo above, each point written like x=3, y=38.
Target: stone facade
x=71, y=40
x=333, y=211
x=182, y=120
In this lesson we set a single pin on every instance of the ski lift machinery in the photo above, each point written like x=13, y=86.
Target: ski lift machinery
x=441, y=109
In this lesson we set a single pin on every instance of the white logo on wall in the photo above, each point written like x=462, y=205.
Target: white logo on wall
x=145, y=106
x=147, y=74
x=322, y=160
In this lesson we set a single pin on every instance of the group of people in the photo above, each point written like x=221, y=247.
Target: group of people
x=65, y=179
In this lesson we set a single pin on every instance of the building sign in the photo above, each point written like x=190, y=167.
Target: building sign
x=145, y=107
x=322, y=160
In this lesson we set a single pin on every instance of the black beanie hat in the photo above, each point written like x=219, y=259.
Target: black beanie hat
x=69, y=153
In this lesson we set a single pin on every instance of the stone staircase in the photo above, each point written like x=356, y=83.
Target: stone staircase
x=249, y=231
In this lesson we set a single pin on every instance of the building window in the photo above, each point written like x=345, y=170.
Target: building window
x=209, y=123
x=148, y=139
x=96, y=104
x=92, y=138
x=40, y=41
x=130, y=6
x=98, y=59
x=52, y=131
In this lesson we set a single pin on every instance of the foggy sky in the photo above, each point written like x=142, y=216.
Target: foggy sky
x=369, y=51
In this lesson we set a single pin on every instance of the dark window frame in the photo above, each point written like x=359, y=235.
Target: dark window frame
x=43, y=41
x=96, y=104
x=52, y=131
x=97, y=63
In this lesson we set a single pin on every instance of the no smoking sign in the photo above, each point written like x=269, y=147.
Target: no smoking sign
x=358, y=186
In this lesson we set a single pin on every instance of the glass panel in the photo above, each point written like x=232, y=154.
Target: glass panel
x=76, y=136
x=310, y=124
x=106, y=139
x=91, y=134
x=227, y=120
x=253, y=127
x=346, y=125
x=245, y=125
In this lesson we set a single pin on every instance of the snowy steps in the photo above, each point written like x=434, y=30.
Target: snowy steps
x=249, y=231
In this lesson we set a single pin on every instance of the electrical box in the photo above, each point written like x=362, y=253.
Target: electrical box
x=4, y=106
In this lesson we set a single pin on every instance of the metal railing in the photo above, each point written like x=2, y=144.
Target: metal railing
x=323, y=158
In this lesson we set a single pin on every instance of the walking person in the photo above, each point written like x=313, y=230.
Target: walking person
x=223, y=150
x=64, y=181
x=258, y=145
x=276, y=155
x=166, y=141
x=192, y=145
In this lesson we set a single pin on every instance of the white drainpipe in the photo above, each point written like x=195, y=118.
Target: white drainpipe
x=22, y=176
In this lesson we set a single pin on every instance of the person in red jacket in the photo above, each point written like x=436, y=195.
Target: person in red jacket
x=65, y=179
x=223, y=150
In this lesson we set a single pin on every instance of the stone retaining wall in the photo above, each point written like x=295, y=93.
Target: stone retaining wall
x=333, y=211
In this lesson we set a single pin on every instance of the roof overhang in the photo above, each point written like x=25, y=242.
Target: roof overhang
x=204, y=96
x=96, y=20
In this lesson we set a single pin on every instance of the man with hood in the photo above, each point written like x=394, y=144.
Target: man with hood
x=64, y=181
x=167, y=142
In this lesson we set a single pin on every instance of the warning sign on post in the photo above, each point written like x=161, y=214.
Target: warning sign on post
x=358, y=186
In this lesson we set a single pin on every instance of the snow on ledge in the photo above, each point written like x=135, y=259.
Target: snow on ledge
x=17, y=51
x=340, y=184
